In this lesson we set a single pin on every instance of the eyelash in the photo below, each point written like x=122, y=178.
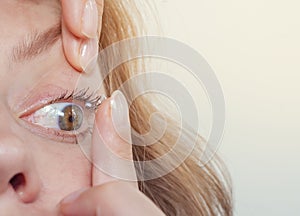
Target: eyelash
x=90, y=100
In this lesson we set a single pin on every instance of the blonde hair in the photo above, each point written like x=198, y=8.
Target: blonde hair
x=189, y=189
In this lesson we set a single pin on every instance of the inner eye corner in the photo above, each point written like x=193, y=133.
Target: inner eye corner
x=61, y=119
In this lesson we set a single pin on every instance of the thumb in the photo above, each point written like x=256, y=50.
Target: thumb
x=111, y=143
x=115, y=198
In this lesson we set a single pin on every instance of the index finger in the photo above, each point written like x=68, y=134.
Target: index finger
x=111, y=144
x=82, y=17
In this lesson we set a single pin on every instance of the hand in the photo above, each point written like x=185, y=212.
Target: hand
x=110, y=195
x=81, y=20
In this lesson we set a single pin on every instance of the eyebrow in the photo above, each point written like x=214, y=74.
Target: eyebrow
x=36, y=43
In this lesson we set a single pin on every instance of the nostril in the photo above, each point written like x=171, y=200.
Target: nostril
x=26, y=188
x=17, y=181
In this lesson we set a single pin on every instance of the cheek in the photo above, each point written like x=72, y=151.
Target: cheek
x=63, y=169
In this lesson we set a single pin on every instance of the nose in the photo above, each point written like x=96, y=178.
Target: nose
x=17, y=170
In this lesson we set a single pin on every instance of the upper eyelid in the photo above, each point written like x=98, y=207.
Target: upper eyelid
x=60, y=135
x=84, y=95
x=55, y=94
x=39, y=99
x=92, y=99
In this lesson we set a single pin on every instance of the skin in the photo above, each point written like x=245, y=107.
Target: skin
x=78, y=30
x=52, y=169
x=109, y=195
x=51, y=166
x=105, y=188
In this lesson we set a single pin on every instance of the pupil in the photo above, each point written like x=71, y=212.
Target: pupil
x=71, y=119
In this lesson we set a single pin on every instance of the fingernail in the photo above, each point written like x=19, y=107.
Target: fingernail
x=120, y=115
x=90, y=19
x=73, y=196
x=88, y=52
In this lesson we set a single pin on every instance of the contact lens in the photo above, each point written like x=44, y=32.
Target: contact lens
x=71, y=118
x=60, y=116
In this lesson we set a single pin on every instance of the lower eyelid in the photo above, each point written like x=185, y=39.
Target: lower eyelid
x=49, y=133
x=55, y=134
x=70, y=137
x=49, y=116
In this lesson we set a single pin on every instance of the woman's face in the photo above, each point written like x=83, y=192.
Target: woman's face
x=40, y=162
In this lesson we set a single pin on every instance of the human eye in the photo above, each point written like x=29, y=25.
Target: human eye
x=66, y=117
x=61, y=116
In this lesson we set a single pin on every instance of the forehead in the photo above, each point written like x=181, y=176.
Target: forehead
x=20, y=17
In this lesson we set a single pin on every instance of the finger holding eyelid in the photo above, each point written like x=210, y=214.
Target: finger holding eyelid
x=111, y=145
x=79, y=52
x=82, y=17
x=81, y=27
x=71, y=46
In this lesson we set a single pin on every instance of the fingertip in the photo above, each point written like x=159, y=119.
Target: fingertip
x=90, y=19
x=71, y=46
x=71, y=13
x=112, y=149
x=67, y=206
x=101, y=120
x=113, y=198
x=73, y=196
x=82, y=17
x=80, y=22
x=80, y=53
x=120, y=116
x=112, y=125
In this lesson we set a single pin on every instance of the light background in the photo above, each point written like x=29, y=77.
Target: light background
x=253, y=46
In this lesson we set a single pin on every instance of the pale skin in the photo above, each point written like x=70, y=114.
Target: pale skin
x=78, y=29
x=51, y=167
